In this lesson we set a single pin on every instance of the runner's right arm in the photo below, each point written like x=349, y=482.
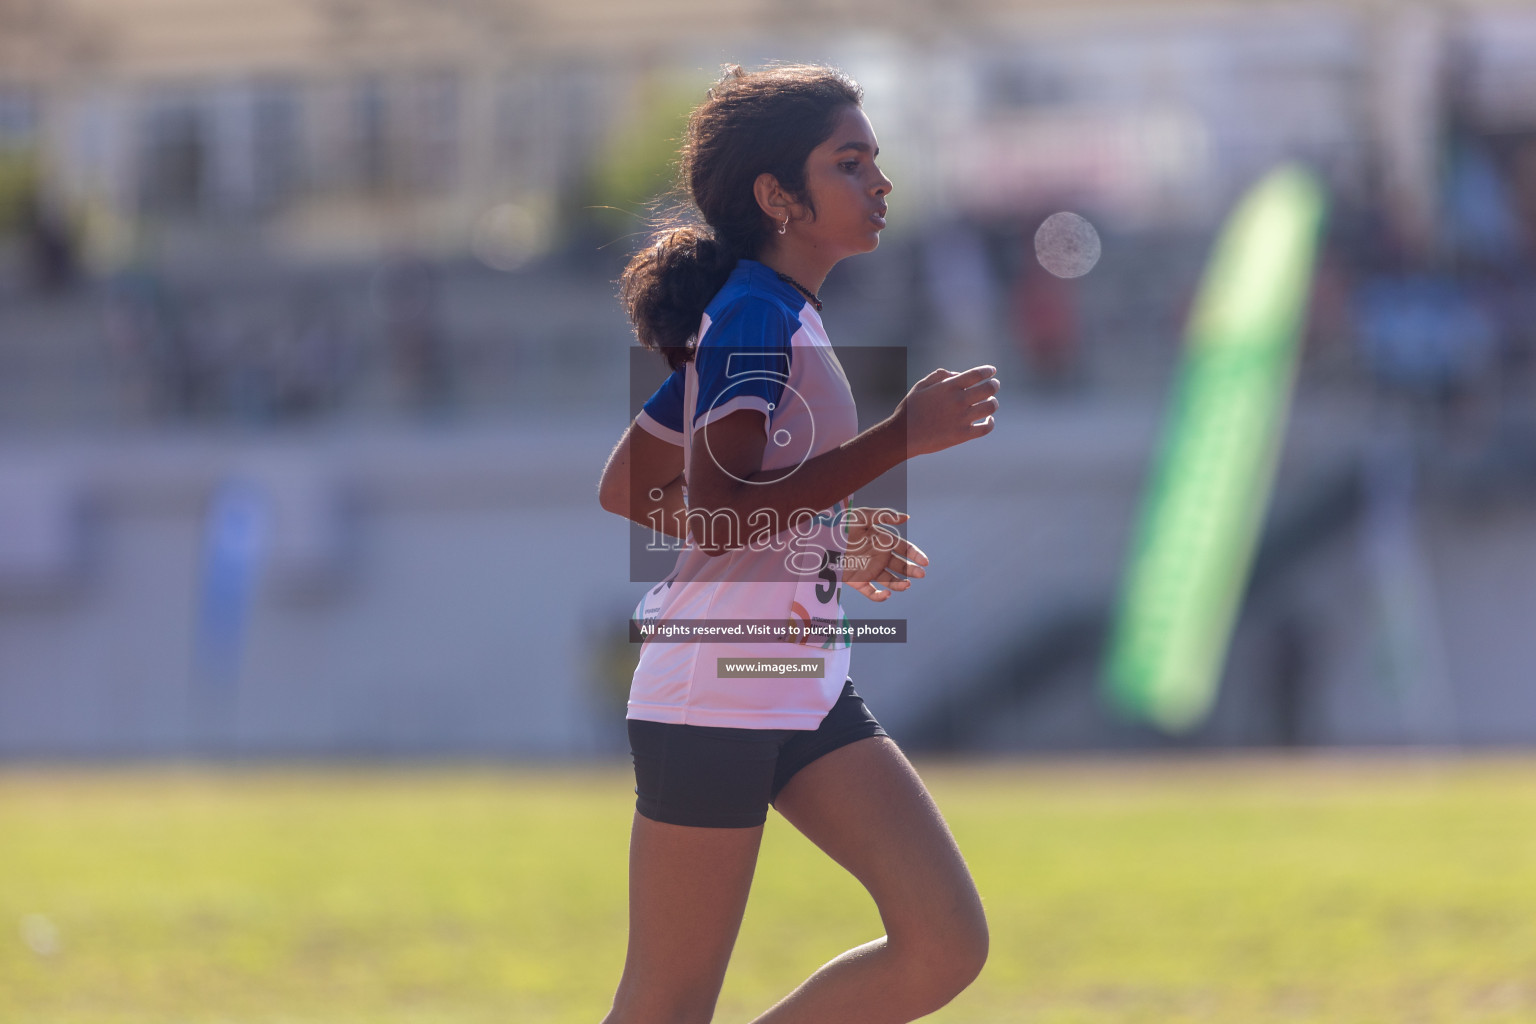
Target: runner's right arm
x=640, y=465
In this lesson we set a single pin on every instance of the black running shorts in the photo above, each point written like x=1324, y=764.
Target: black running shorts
x=714, y=777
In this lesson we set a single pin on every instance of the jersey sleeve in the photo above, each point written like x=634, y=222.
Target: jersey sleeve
x=743, y=360
x=662, y=413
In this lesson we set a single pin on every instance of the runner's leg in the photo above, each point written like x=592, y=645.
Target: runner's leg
x=864, y=805
x=687, y=892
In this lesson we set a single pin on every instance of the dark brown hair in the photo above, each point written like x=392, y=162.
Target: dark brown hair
x=752, y=122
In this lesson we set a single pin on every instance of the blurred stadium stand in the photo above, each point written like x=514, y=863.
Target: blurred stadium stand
x=360, y=256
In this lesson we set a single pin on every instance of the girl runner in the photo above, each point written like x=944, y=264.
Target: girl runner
x=746, y=454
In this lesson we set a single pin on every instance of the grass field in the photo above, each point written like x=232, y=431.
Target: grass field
x=1235, y=890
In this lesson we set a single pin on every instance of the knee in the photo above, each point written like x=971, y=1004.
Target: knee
x=965, y=952
x=944, y=960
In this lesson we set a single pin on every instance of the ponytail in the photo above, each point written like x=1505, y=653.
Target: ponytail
x=667, y=285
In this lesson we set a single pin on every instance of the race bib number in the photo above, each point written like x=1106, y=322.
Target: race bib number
x=817, y=609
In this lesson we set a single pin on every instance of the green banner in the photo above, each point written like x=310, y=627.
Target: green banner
x=1215, y=467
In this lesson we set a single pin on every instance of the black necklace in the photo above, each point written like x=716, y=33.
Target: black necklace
x=802, y=289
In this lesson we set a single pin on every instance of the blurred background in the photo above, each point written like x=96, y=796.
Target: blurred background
x=310, y=360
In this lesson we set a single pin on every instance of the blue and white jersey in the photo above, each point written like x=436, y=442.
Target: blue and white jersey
x=761, y=346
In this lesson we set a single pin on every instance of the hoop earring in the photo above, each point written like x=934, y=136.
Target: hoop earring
x=783, y=224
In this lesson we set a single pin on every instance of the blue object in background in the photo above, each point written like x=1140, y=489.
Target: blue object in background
x=234, y=547
x=1424, y=333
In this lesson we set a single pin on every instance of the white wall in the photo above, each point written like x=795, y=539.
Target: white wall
x=460, y=591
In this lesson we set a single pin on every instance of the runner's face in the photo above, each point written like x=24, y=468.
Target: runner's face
x=846, y=188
